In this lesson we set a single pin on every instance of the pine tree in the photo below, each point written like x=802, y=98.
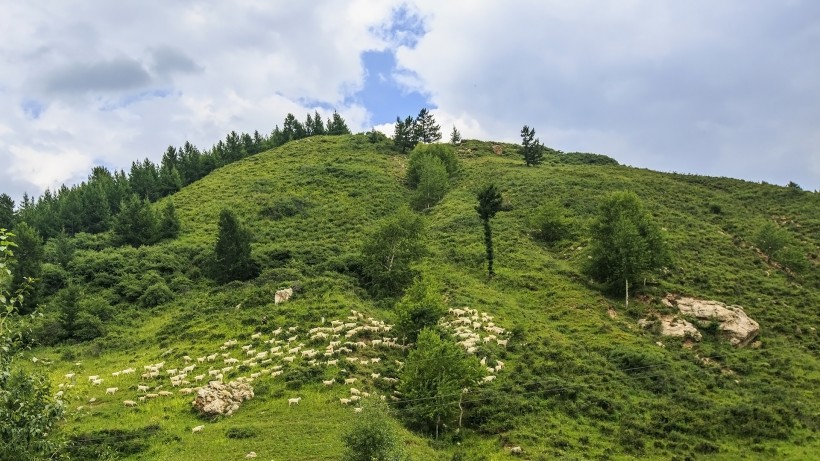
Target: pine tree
x=232, y=252
x=6, y=211
x=318, y=125
x=135, y=224
x=336, y=125
x=168, y=225
x=427, y=131
x=531, y=147
x=489, y=203
x=28, y=264
x=404, y=134
x=455, y=137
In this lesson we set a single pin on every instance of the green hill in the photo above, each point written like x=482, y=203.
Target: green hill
x=580, y=379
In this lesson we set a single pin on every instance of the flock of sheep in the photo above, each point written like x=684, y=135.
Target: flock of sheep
x=335, y=345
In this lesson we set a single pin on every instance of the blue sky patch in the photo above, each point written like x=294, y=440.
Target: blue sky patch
x=134, y=98
x=32, y=108
x=382, y=95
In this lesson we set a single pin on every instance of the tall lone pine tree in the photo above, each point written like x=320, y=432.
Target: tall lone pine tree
x=489, y=203
x=531, y=147
x=232, y=253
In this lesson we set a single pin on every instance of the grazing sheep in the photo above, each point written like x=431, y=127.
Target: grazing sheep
x=354, y=391
x=186, y=391
x=328, y=382
x=165, y=393
x=141, y=388
x=276, y=373
x=251, y=454
x=129, y=403
x=350, y=380
x=111, y=390
x=344, y=401
x=294, y=401
x=59, y=394
x=516, y=450
x=355, y=398
x=197, y=429
x=502, y=342
x=488, y=379
x=69, y=375
x=116, y=374
x=289, y=358
x=97, y=382
x=199, y=377
x=201, y=359
x=375, y=375
x=151, y=396
x=375, y=360
x=93, y=377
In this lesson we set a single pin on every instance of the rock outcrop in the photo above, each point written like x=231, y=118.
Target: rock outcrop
x=218, y=399
x=732, y=321
x=671, y=325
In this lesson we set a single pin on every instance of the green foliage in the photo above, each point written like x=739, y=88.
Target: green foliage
x=135, y=225
x=549, y=223
x=626, y=244
x=419, y=155
x=531, y=148
x=489, y=203
x=28, y=414
x=433, y=182
x=455, y=136
x=404, y=136
x=27, y=265
x=336, y=125
x=168, y=225
x=372, y=436
x=781, y=246
x=155, y=290
x=6, y=211
x=232, y=253
x=390, y=251
x=425, y=128
x=421, y=307
x=432, y=381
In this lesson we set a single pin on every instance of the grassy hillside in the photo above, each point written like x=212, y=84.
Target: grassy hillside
x=581, y=380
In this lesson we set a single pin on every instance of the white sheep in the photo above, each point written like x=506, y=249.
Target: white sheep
x=516, y=450
x=328, y=382
x=197, y=429
x=251, y=454
x=111, y=390
x=69, y=375
x=350, y=380
x=129, y=403
x=354, y=391
x=294, y=401
x=358, y=409
x=344, y=401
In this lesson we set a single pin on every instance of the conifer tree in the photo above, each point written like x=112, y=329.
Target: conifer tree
x=135, y=224
x=427, y=131
x=336, y=125
x=404, y=134
x=489, y=203
x=6, y=211
x=168, y=225
x=455, y=136
x=531, y=147
x=28, y=264
x=232, y=253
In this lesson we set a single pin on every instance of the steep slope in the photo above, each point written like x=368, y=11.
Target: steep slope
x=581, y=379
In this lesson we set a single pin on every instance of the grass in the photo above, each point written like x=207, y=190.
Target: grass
x=577, y=384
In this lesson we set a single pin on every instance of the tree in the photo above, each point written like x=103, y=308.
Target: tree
x=336, y=125
x=135, y=225
x=432, y=381
x=6, y=212
x=390, y=251
x=427, y=131
x=433, y=183
x=421, y=307
x=168, y=225
x=489, y=203
x=440, y=151
x=27, y=265
x=627, y=244
x=232, y=252
x=531, y=147
x=549, y=223
x=318, y=127
x=455, y=136
x=372, y=436
x=29, y=415
x=404, y=135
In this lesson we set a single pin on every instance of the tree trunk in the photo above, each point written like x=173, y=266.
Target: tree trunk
x=627, y=292
x=488, y=242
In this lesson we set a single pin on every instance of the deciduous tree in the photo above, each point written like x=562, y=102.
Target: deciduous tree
x=390, y=251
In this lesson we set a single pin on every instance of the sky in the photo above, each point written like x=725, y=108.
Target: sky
x=720, y=88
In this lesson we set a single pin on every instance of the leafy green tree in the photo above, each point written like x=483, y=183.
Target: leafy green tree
x=390, y=251
x=63, y=249
x=232, y=252
x=455, y=136
x=781, y=246
x=28, y=263
x=433, y=183
x=168, y=225
x=489, y=203
x=440, y=151
x=136, y=224
x=6, y=212
x=627, y=244
x=336, y=125
x=29, y=415
x=421, y=307
x=531, y=147
x=432, y=381
x=427, y=131
x=404, y=134
x=372, y=436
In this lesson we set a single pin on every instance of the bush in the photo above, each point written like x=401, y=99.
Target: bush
x=549, y=223
x=372, y=436
x=420, y=308
x=155, y=291
x=285, y=207
x=87, y=327
x=389, y=252
x=432, y=184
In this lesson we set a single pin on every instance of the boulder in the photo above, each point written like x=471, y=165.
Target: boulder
x=671, y=325
x=282, y=295
x=732, y=321
x=218, y=399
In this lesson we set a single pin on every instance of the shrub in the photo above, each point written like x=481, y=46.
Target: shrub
x=440, y=151
x=549, y=223
x=432, y=184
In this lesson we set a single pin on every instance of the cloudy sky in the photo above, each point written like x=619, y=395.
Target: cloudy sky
x=723, y=88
